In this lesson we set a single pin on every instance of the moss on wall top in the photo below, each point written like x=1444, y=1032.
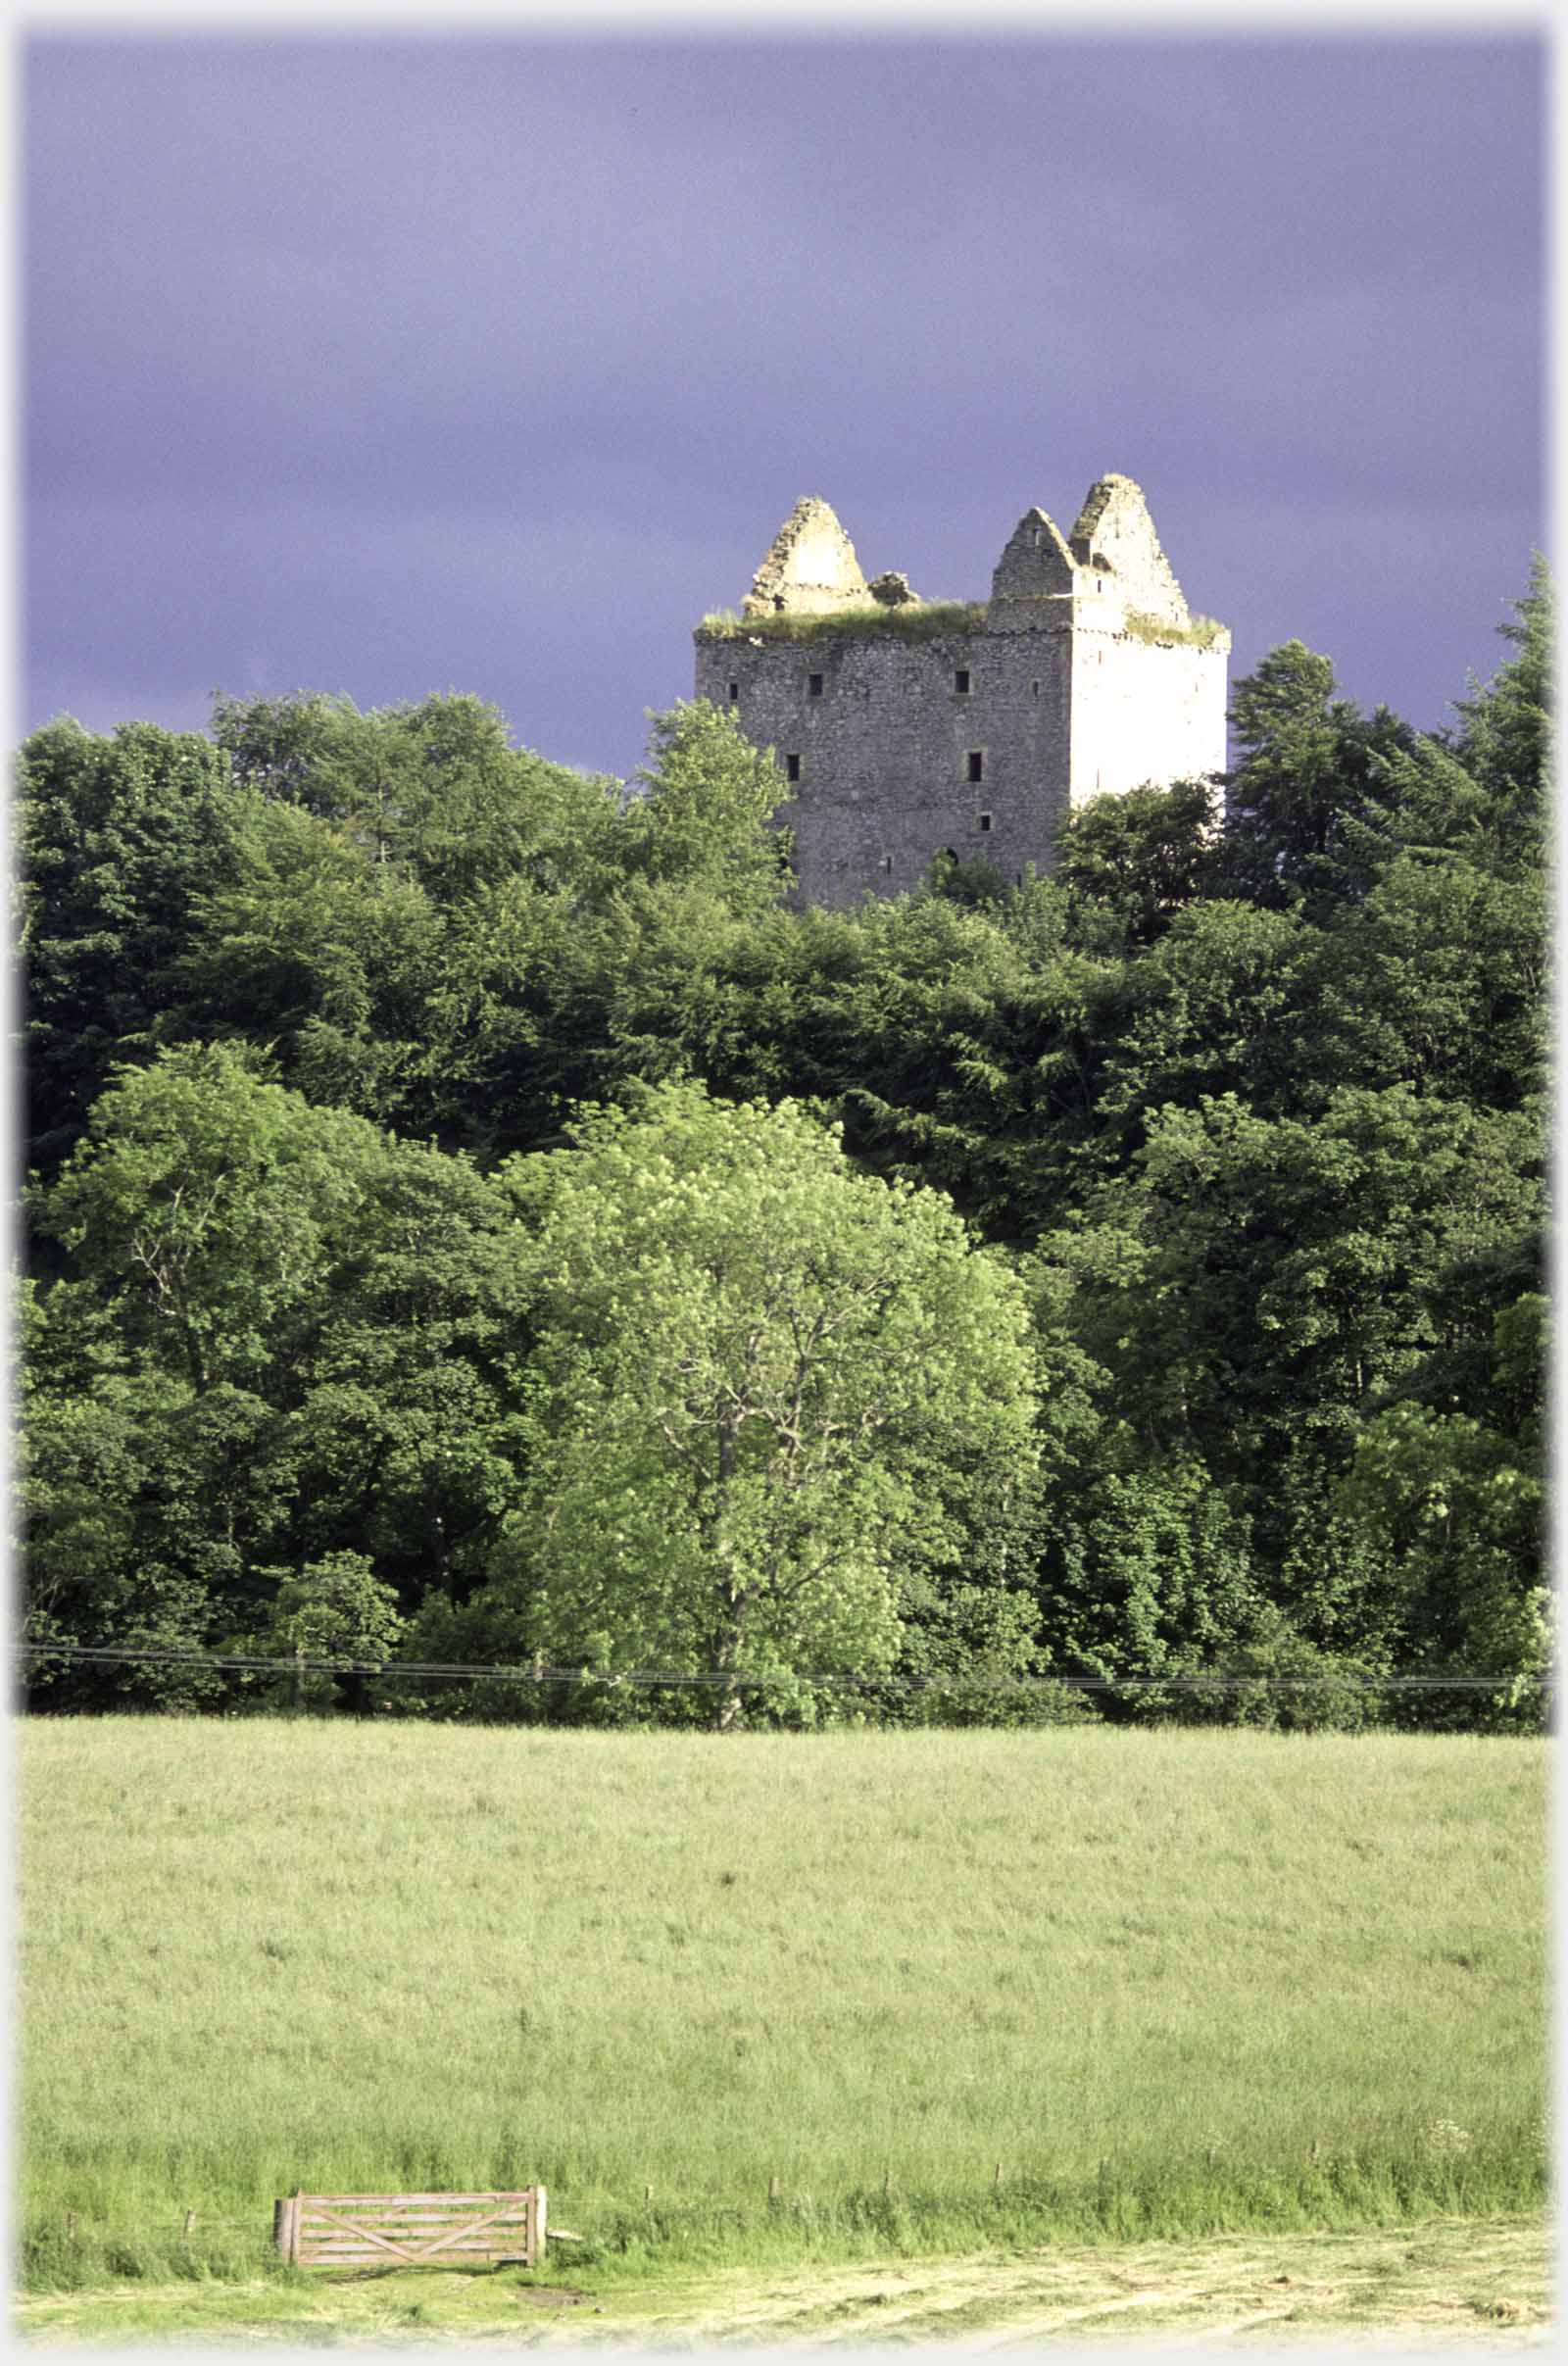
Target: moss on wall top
x=914, y=621
x=1199, y=632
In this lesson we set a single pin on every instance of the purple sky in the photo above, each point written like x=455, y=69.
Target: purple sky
x=390, y=367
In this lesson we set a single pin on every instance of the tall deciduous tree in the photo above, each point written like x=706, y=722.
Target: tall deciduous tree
x=767, y=1390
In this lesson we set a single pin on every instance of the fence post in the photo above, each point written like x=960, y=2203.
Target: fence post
x=280, y=2217
x=299, y=1678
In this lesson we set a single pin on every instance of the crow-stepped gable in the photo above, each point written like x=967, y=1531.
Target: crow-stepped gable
x=911, y=728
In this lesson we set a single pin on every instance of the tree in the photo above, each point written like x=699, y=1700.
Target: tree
x=709, y=797
x=1507, y=737
x=1454, y=1510
x=1131, y=862
x=118, y=839
x=770, y=1391
x=436, y=790
x=282, y=1336
x=1309, y=763
x=337, y=1608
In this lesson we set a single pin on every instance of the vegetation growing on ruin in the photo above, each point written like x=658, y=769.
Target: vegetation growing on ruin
x=1199, y=632
x=911, y=620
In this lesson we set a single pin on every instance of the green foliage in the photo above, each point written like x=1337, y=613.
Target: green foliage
x=709, y=797
x=911, y=621
x=335, y=1609
x=1133, y=862
x=117, y=839
x=286, y=1338
x=1256, y=1112
x=1307, y=786
x=1199, y=632
x=1506, y=739
x=436, y=790
x=765, y=1391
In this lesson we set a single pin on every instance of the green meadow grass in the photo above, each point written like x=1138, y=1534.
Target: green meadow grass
x=1170, y=1982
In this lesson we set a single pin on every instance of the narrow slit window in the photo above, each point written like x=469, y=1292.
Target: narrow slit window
x=984, y=821
x=792, y=767
x=960, y=680
x=887, y=862
x=977, y=763
x=813, y=685
x=1035, y=689
x=734, y=693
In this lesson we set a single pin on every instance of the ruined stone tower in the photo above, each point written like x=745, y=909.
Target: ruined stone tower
x=911, y=728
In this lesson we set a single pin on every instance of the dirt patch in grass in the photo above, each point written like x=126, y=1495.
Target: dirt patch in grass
x=1471, y=2281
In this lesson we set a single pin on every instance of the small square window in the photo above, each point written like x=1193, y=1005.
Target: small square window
x=734, y=693
x=984, y=821
x=792, y=767
x=813, y=685
x=960, y=680
x=977, y=763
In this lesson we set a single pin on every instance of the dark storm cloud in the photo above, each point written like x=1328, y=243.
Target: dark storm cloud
x=387, y=367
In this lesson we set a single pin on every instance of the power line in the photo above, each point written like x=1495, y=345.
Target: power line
x=541, y=1672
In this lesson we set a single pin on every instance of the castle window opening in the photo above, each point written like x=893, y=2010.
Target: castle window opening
x=960, y=680
x=977, y=763
x=1035, y=689
x=984, y=821
x=887, y=862
x=813, y=685
x=792, y=767
x=734, y=693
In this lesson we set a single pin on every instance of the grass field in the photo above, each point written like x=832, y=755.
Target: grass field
x=1451, y=2279
x=1173, y=1984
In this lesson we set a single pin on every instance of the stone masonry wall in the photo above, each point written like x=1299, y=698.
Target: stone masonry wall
x=885, y=747
x=1144, y=712
x=980, y=741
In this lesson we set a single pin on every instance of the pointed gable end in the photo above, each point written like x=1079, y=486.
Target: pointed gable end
x=1036, y=565
x=810, y=567
x=1115, y=532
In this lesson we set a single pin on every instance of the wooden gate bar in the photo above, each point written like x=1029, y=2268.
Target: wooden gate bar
x=321, y=2230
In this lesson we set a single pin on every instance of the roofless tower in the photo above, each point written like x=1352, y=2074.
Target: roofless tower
x=910, y=727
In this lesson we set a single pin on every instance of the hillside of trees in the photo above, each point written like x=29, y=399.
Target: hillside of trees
x=473, y=1219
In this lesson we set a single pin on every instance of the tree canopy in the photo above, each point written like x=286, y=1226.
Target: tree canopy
x=476, y=1210
x=765, y=1391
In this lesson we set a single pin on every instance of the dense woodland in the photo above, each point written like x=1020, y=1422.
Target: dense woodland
x=473, y=1218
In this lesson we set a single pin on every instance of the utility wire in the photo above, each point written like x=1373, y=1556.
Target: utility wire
x=540, y=1672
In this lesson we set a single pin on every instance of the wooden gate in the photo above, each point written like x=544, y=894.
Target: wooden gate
x=404, y=2230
